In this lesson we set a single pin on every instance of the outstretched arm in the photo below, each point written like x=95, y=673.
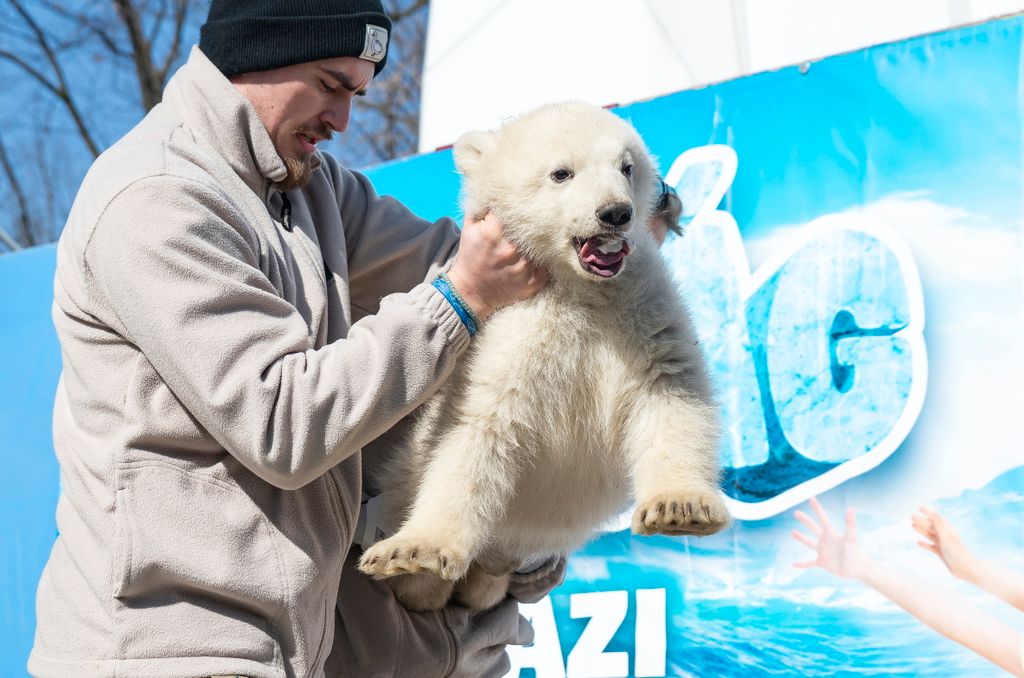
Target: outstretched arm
x=941, y=539
x=941, y=608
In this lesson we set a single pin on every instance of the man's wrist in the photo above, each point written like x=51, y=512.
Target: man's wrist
x=447, y=289
x=480, y=308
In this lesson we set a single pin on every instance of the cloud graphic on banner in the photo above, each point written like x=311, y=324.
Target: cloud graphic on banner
x=818, y=356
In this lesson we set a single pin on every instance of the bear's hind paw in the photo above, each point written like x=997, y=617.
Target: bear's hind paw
x=408, y=556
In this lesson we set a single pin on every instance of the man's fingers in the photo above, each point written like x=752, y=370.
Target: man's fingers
x=501, y=625
x=928, y=546
x=487, y=227
x=806, y=564
x=804, y=539
x=471, y=222
x=507, y=251
x=851, y=523
x=539, y=276
x=525, y=632
x=808, y=522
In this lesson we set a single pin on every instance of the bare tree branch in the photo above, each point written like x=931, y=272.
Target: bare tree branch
x=149, y=84
x=371, y=139
x=25, y=231
x=399, y=14
x=158, y=21
x=92, y=26
x=181, y=8
x=60, y=89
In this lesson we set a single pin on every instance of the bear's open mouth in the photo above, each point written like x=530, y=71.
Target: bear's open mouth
x=601, y=255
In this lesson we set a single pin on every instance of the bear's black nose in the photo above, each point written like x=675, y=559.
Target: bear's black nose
x=616, y=214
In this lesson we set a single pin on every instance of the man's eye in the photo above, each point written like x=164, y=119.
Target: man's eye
x=326, y=88
x=561, y=175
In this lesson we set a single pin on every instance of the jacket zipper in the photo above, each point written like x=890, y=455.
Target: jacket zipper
x=328, y=609
x=334, y=497
x=453, y=647
x=338, y=505
x=286, y=213
x=324, y=273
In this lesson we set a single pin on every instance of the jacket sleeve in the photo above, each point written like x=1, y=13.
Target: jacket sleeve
x=186, y=288
x=389, y=248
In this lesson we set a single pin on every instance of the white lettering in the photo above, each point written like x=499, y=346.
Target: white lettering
x=606, y=610
x=544, y=655
x=650, y=633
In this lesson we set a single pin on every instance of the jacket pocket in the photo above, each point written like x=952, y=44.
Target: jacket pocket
x=197, y=571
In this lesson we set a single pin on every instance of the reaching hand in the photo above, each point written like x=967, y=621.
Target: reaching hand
x=836, y=553
x=942, y=540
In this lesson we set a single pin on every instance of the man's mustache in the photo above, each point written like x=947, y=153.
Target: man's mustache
x=320, y=133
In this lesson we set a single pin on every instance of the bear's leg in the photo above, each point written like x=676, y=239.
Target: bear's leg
x=465, y=488
x=675, y=466
x=481, y=591
x=421, y=592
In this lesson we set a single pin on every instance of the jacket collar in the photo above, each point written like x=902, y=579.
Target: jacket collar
x=212, y=108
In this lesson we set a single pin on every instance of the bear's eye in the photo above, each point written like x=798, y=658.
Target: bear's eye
x=561, y=175
x=627, y=169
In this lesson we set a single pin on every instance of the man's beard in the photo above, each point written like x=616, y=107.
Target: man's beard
x=301, y=169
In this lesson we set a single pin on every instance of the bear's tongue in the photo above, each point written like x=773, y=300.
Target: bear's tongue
x=601, y=254
x=595, y=250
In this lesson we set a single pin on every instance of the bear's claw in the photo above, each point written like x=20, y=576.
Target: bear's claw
x=697, y=513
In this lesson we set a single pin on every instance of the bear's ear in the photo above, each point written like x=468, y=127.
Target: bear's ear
x=471, y=147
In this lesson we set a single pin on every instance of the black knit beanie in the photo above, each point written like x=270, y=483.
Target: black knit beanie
x=243, y=36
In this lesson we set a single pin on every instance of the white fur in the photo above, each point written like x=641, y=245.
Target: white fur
x=568, y=405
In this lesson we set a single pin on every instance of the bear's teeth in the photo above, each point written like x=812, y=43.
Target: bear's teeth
x=610, y=248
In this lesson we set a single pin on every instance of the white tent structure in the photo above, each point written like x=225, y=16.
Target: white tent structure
x=490, y=59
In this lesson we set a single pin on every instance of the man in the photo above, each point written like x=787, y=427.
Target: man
x=238, y=317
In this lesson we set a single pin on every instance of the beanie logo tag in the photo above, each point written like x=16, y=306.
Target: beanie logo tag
x=376, y=45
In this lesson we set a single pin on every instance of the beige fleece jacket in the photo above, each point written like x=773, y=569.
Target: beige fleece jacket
x=221, y=374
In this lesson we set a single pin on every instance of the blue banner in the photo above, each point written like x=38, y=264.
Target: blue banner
x=853, y=258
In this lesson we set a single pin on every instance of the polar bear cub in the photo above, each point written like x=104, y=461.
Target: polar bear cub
x=567, y=406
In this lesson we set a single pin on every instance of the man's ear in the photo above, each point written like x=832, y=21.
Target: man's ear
x=471, y=147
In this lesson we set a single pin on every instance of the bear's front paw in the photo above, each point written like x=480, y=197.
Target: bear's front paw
x=687, y=513
x=407, y=556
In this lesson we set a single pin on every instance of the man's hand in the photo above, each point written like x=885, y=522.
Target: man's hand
x=531, y=586
x=375, y=637
x=489, y=272
x=482, y=638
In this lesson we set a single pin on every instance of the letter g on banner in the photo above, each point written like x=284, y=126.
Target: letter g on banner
x=818, y=355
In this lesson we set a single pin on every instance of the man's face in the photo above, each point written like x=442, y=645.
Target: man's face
x=304, y=104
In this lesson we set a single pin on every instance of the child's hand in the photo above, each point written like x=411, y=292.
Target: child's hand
x=942, y=540
x=836, y=553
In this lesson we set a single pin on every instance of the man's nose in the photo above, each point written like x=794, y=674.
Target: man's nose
x=336, y=117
